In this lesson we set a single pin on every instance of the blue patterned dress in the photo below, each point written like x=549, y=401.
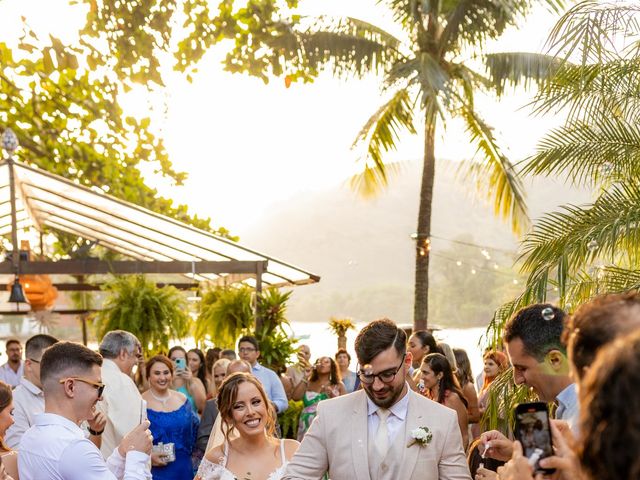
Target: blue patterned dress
x=179, y=427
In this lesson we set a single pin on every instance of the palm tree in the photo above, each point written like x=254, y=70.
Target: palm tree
x=429, y=78
x=580, y=251
x=340, y=327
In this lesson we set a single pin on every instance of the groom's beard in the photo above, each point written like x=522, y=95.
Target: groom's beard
x=387, y=396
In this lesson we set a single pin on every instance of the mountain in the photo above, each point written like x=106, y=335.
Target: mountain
x=364, y=253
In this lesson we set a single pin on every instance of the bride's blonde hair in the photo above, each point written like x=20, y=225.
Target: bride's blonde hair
x=227, y=396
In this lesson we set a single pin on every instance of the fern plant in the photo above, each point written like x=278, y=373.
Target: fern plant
x=225, y=314
x=155, y=315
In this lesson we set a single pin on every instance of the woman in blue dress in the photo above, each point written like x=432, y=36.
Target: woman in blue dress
x=174, y=425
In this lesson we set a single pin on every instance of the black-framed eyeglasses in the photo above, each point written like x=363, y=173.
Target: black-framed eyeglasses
x=246, y=349
x=387, y=376
x=34, y=360
x=99, y=386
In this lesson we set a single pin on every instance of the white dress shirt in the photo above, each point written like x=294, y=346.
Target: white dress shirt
x=122, y=405
x=55, y=448
x=28, y=401
x=395, y=421
x=8, y=376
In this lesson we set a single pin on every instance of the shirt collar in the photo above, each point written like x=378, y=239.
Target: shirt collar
x=568, y=396
x=31, y=387
x=257, y=366
x=399, y=409
x=44, y=419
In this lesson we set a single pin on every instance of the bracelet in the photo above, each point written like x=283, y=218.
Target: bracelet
x=93, y=432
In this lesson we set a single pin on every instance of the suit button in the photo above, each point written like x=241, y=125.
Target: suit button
x=383, y=467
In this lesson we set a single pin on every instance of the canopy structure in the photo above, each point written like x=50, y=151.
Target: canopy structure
x=154, y=242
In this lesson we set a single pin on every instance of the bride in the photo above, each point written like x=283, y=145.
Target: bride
x=256, y=453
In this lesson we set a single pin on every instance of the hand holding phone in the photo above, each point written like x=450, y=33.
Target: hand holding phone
x=534, y=433
x=181, y=364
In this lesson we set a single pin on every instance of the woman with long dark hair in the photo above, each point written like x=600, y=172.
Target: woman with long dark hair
x=198, y=365
x=441, y=385
x=186, y=382
x=324, y=382
x=254, y=452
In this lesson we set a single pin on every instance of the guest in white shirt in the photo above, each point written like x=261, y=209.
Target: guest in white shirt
x=11, y=372
x=55, y=448
x=121, y=401
x=28, y=399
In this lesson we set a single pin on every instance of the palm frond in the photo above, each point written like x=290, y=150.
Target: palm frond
x=349, y=45
x=474, y=22
x=379, y=135
x=516, y=69
x=587, y=153
x=405, y=13
x=589, y=32
x=593, y=91
x=493, y=168
x=570, y=240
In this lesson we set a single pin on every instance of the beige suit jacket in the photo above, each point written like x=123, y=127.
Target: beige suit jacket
x=337, y=442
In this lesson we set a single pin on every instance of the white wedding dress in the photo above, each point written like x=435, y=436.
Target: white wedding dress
x=217, y=471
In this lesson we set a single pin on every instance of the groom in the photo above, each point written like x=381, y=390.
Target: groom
x=384, y=431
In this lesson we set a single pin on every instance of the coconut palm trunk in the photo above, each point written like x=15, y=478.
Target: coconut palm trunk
x=421, y=294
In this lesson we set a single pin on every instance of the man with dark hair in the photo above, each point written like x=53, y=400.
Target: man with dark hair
x=121, y=402
x=532, y=338
x=28, y=398
x=12, y=371
x=249, y=352
x=385, y=431
x=55, y=447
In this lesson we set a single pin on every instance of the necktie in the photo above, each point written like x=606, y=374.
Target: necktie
x=381, y=440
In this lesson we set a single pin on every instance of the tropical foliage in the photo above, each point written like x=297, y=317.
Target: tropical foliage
x=340, y=327
x=63, y=102
x=583, y=250
x=428, y=79
x=273, y=333
x=155, y=315
x=431, y=73
x=226, y=313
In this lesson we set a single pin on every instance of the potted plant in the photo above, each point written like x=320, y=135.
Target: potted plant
x=340, y=326
x=155, y=315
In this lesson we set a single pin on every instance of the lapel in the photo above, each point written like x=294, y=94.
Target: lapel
x=415, y=419
x=359, y=436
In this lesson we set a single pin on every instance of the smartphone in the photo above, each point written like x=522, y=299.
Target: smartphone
x=533, y=432
x=181, y=364
x=143, y=410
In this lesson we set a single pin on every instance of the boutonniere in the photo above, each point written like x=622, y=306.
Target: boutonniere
x=421, y=435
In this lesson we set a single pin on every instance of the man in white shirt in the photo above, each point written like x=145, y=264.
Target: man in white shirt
x=12, y=371
x=28, y=399
x=55, y=448
x=121, y=402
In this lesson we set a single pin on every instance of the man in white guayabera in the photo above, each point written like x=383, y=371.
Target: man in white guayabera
x=55, y=447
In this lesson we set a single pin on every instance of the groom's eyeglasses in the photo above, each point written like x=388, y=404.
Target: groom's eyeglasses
x=386, y=376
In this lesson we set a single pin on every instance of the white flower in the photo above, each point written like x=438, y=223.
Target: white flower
x=420, y=435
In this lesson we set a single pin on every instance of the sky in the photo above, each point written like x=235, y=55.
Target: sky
x=247, y=146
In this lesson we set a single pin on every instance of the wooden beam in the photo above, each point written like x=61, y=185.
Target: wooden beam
x=95, y=266
x=94, y=287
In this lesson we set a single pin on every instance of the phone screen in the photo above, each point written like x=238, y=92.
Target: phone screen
x=533, y=432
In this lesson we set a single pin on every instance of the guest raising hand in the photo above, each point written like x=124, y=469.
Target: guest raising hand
x=323, y=383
